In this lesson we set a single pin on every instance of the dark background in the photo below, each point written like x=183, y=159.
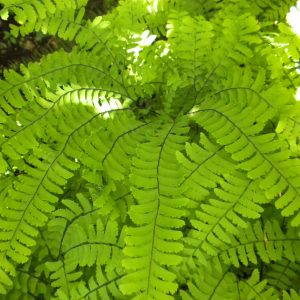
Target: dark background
x=14, y=51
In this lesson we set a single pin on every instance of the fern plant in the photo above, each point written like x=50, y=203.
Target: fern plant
x=158, y=159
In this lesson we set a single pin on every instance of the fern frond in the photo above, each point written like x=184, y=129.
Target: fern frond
x=101, y=286
x=272, y=10
x=92, y=247
x=262, y=156
x=236, y=38
x=88, y=247
x=250, y=88
x=111, y=150
x=141, y=15
x=106, y=190
x=31, y=125
x=208, y=285
x=154, y=244
x=66, y=217
x=292, y=295
x=185, y=30
x=28, y=285
x=35, y=194
x=255, y=288
x=268, y=243
x=289, y=126
x=81, y=239
x=33, y=15
x=38, y=82
x=221, y=216
x=249, y=246
x=203, y=167
x=284, y=275
x=29, y=203
x=225, y=285
x=62, y=276
x=115, y=201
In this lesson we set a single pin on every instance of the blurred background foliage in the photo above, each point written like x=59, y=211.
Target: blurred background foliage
x=14, y=51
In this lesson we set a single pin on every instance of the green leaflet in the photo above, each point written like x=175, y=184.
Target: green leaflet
x=158, y=158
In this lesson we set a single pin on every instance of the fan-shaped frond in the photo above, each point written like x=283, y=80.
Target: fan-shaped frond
x=157, y=159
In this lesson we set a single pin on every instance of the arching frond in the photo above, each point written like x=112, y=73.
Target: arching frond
x=262, y=156
x=154, y=244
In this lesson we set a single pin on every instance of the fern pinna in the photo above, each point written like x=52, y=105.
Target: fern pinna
x=158, y=159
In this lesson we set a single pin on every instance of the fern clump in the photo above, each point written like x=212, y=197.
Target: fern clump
x=158, y=159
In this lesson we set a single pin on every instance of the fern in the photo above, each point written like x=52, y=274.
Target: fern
x=284, y=274
x=226, y=286
x=292, y=295
x=44, y=15
x=157, y=159
x=154, y=243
